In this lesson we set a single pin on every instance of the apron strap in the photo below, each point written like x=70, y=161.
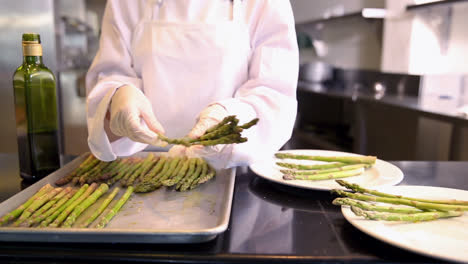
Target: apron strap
x=152, y=9
x=237, y=13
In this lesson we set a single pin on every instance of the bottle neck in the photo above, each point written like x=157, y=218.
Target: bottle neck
x=32, y=53
x=32, y=59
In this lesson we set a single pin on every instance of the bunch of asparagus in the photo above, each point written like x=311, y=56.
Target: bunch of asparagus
x=336, y=166
x=228, y=131
x=144, y=174
x=362, y=203
x=181, y=172
x=61, y=207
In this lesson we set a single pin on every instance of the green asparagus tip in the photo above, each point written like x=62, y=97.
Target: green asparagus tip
x=337, y=201
x=250, y=124
x=342, y=183
x=337, y=191
x=357, y=211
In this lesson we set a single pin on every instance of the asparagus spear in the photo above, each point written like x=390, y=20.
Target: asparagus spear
x=127, y=167
x=325, y=176
x=146, y=170
x=70, y=208
x=173, y=169
x=225, y=132
x=311, y=167
x=97, y=172
x=107, y=171
x=229, y=139
x=227, y=119
x=67, y=178
x=208, y=176
x=155, y=170
x=190, y=172
x=103, y=188
x=176, y=170
x=56, y=213
x=94, y=162
x=84, y=177
x=180, y=174
x=108, y=217
x=47, y=206
x=101, y=208
x=195, y=183
x=360, y=189
x=146, y=162
x=250, y=123
x=372, y=207
x=175, y=141
x=133, y=168
x=420, y=205
x=414, y=217
x=38, y=202
x=314, y=172
x=120, y=163
x=201, y=166
x=17, y=212
x=150, y=184
x=344, y=159
x=37, y=219
x=203, y=173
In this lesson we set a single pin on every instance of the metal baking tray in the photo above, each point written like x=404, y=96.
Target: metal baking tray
x=161, y=216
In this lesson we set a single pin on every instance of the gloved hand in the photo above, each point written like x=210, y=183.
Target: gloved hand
x=208, y=117
x=131, y=115
x=217, y=156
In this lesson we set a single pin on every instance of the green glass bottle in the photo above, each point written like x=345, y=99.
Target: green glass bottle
x=36, y=112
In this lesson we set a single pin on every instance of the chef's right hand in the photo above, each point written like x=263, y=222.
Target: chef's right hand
x=210, y=116
x=131, y=115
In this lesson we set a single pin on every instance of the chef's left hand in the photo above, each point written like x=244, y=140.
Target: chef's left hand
x=217, y=156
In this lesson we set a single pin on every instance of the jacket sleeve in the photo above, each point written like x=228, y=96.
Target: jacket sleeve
x=111, y=68
x=270, y=91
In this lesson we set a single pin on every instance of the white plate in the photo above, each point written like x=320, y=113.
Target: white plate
x=381, y=174
x=444, y=238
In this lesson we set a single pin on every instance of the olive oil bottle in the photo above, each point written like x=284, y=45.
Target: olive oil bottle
x=36, y=112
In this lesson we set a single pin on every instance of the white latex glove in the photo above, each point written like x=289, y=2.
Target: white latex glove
x=132, y=116
x=217, y=156
x=210, y=116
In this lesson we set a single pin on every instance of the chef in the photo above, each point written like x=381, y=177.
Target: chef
x=178, y=67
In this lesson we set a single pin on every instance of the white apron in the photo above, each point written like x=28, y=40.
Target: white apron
x=187, y=66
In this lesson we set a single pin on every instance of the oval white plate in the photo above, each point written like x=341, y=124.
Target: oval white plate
x=381, y=174
x=443, y=238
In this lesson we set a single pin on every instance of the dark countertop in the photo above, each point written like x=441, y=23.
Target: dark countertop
x=436, y=108
x=270, y=223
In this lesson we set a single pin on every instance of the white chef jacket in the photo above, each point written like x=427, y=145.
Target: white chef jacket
x=267, y=91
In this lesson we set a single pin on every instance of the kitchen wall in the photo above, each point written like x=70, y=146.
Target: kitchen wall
x=429, y=40
x=351, y=42
x=432, y=42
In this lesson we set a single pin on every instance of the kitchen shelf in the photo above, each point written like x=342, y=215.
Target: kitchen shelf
x=433, y=4
x=365, y=13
